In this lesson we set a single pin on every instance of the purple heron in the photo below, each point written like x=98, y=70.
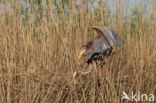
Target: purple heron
x=102, y=44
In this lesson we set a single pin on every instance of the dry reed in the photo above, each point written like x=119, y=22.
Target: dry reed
x=38, y=53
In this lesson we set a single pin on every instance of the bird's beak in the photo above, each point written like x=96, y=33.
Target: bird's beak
x=81, y=53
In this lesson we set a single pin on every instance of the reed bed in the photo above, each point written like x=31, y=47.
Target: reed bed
x=40, y=43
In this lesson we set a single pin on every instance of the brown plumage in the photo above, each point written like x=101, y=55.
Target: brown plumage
x=102, y=44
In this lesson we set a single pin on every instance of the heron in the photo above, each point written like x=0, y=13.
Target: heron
x=103, y=44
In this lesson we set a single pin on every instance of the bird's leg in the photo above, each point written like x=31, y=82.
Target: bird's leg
x=81, y=75
x=87, y=69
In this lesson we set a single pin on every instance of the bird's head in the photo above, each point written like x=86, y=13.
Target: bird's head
x=85, y=50
x=82, y=52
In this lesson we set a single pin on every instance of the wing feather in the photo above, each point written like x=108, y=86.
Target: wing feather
x=105, y=40
x=109, y=37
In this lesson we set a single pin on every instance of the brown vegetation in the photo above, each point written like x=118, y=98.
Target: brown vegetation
x=38, y=54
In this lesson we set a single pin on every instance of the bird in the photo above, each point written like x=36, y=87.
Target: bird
x=103, y=44
x=98, y=48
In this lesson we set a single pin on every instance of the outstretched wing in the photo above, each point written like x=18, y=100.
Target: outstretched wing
x=106, y=38
x=104, y=42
